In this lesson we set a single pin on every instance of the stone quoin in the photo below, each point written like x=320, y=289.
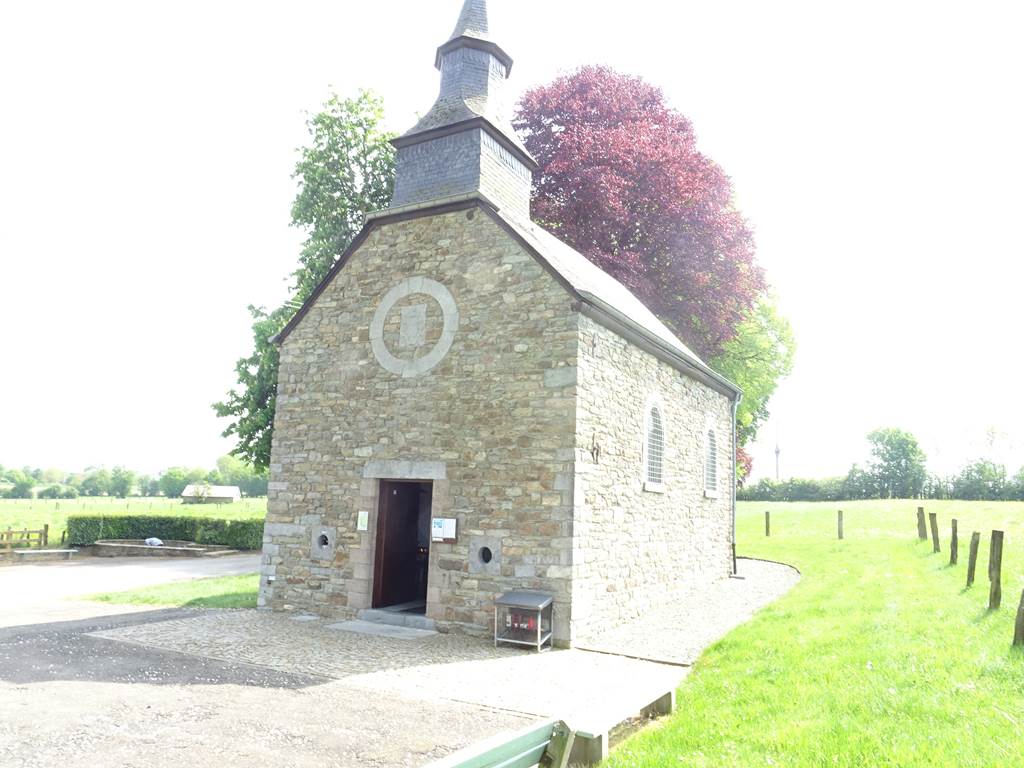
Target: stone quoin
x=461, y=364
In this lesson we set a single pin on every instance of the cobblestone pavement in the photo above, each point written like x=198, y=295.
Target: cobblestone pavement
x=304, y=647
x=586, y=689
x=679, y=631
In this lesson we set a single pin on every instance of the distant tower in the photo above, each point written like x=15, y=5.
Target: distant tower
x=465, y=144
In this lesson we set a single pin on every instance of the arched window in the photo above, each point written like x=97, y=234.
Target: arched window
x=654, y=447
x=711, y=462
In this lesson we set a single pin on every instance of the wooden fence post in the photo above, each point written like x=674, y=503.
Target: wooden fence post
x=972, y=560
x=954, y=546
x=46, y=536
x=1018, y=629
x=922, y=530
x=840, y=524
x=995, y=571
x=933, y=519
x=767, y=523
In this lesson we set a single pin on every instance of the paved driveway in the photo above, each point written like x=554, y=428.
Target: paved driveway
x=40, y=592
x=72, y=699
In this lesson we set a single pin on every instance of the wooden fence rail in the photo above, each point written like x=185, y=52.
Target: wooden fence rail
x=39, y=538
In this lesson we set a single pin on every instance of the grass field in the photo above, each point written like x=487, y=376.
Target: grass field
x=34, y=513
x=879, y=657
x=217, y=592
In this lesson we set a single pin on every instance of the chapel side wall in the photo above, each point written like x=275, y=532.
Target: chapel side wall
x=493, y=425
x=636, y=548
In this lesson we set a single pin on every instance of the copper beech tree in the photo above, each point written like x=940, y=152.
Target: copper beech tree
x=623, y=182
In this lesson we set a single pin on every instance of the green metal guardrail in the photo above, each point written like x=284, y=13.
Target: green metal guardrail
x=546, y=745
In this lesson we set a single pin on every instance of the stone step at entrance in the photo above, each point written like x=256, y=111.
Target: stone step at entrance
x=405, y=615
x=378, y=629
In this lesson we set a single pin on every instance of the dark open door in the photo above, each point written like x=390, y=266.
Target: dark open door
x=403, y=525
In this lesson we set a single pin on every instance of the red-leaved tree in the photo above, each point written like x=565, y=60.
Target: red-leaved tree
x=622, y=181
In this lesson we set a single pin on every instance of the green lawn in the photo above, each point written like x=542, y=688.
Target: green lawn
x=34, y=513
x=218, y=592
x=879, y=657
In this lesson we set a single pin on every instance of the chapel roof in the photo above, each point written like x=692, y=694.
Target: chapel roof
x=602, y=296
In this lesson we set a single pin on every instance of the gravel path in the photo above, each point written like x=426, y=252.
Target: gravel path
x=678, y=632
x=585, y=689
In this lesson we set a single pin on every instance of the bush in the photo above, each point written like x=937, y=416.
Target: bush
x=21, y=490
x=828, y=489
x=51, y=492
x=58, y=491
x=84, y=530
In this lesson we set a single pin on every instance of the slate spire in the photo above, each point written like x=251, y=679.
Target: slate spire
x=466, y=142
x=472, y=21
x=472, y=29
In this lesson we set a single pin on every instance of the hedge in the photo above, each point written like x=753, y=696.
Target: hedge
x=84, y=530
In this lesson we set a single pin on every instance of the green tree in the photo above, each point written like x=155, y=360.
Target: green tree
x=53, y=476
x=95, y=483
x=54, y=491
x=121, y=482
x=23, y=489
x=760, y=355
x=859, y=484
x=982, y=480
x=897, y=463
x=147, y=485
x=175, y=480
x=15, y=476
x=233, y=471
x=346, y=171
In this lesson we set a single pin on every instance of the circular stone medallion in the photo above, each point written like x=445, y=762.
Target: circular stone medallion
x=413, y=328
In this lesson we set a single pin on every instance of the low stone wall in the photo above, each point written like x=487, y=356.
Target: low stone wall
x=139, y=548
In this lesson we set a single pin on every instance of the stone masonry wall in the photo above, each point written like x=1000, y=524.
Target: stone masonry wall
x=492, y=424
x=634, y=547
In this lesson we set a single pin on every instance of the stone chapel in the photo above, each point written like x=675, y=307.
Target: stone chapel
x=467, y=406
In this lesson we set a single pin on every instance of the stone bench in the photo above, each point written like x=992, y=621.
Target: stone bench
x=43, y=554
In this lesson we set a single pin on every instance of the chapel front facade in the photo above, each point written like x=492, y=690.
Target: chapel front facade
x=466, y=406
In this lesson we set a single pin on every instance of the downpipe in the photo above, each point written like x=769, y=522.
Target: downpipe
x=735, y=409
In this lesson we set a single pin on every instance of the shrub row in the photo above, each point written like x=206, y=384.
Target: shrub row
x=829, y=489
x=84, y=530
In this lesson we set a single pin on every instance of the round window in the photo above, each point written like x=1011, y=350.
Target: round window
x=486, y=555
x=324, y=541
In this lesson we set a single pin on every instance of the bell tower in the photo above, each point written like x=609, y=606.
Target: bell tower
x=466, y=144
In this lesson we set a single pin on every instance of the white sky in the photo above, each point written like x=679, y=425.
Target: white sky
x=146, y=152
